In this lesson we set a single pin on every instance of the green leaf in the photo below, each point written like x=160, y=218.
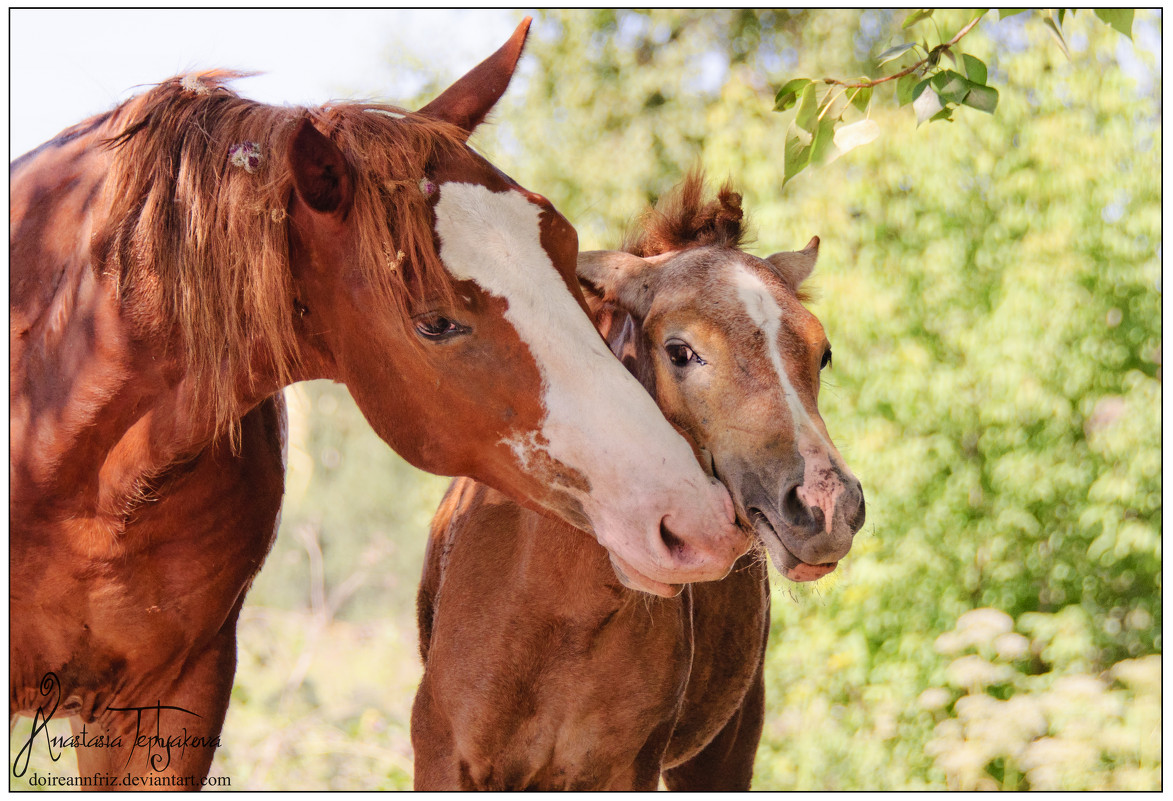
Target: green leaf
x=1062, y=13
x=823, y=147
x=1118, y=18
x=893, y=53
x=904, y=87
x=861, y=98
x=926, y=103
x=951, y=86
x=1003, y=13
x=788, y=95
x=945, y=114
x=849, y=137
x=916, y=17
x=975, y=69
x=1053, y=27
x=807, y=110
x=797, y=153
x=983, y=98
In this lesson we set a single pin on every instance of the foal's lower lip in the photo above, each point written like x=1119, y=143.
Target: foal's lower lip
x=799, y=571
x=805, y=572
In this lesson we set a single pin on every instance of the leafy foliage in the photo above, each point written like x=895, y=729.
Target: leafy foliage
x=933, y=89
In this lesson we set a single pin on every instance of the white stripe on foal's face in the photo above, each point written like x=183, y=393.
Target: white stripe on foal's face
x=599, y=420
x=766, y=314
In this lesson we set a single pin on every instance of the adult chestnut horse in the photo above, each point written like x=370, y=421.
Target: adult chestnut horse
x=541, y=670
x=177, y=261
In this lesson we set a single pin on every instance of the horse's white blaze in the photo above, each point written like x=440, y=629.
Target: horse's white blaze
x=599, y=420
x=766, y=314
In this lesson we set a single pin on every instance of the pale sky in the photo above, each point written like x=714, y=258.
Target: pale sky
x=66, y=65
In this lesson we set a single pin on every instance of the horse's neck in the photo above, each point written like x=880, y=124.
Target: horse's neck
x=96, y=409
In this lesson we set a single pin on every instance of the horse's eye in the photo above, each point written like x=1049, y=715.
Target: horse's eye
x=680, y=354
x=437, y=327
x=826, y=359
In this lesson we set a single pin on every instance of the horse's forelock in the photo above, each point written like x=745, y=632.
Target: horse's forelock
x=197, y=194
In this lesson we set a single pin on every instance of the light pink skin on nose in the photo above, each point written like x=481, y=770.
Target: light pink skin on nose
x=821, y=485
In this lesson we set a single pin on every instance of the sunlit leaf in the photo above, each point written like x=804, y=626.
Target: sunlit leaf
x=916, y=17
x=1053, y=27
x=808, y=109
x=951, y=86
x=983, y=98
x=823, y=146
x=849, y=137
x=893, y=53
x=904, y=87
x=1003, y=13
x=926, y=104
x=788, y=95
x=797, y=152
x=862, y=97
x=1118, y=18
x=975, y=69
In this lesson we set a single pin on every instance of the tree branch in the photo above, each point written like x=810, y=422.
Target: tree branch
x=914, y=67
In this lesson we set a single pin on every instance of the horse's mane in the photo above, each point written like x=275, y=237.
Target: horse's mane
x=198, y=246
x=684, y=218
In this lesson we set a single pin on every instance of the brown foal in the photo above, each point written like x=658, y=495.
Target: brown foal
x=542, y=670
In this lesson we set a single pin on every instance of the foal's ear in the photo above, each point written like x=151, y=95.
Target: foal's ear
x=619, y=277
x=321, y=175
x=796, y=266
x=466, y=102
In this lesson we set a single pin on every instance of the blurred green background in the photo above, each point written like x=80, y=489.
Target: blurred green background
x=992, y=288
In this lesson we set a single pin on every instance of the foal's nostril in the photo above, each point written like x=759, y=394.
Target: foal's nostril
x=860, y=513
x=794, y=511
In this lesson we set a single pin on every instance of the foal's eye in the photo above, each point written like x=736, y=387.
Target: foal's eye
x=680, y=354
x=437, y=327
x=826, y=359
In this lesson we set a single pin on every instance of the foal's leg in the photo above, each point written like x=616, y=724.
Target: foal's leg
x=726, y=763
x=436, y=764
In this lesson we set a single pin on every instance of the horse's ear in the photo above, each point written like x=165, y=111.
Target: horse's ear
x=466, y=102
x=320, y=172
x=796, y=266
x=619, y=277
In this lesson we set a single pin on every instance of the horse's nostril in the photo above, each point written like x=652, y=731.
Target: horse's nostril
x=673, y=543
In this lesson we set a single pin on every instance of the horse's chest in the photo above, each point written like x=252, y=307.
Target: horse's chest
x=108, y=606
